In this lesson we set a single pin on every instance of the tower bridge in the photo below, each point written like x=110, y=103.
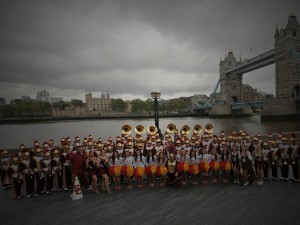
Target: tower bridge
x=238, y=98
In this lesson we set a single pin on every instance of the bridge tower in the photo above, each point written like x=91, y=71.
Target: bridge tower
x=287, y=60
x=231, y=85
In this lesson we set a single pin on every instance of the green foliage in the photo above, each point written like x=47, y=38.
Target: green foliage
x=138, y=106
x=76, y=102
x=26, y=109
x=118, y=104
x=61, y=105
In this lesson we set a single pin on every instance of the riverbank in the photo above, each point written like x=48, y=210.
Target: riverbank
x=100, y=117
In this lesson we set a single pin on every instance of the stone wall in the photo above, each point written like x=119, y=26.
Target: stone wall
x=282, y=106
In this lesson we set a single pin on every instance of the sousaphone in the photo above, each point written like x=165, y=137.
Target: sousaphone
x=152, y=130
x=126, y=129
x=209, y=128
x=171, y=128
x=139, y=129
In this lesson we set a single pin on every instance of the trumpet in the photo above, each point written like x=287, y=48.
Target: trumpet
x=197, y=129
x=139, y=129
x=152, y=130
x=171, y=128
x=209, y=128
x=126, y=129
x=185, y=130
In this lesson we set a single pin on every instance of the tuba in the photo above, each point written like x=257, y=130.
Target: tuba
x=171, y=128
x=209, y=128
x=197, y=129
x=152, y=130
x=139, y=129
x=126, y=129
x=185, y=130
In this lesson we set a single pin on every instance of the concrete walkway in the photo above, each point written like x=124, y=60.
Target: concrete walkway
x=275, y=202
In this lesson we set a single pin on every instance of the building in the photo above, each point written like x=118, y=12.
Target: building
x=102, y=104
x=199, y=99
x=287, y=52
x=232, y=88
x=69, y=112
x=45, y=97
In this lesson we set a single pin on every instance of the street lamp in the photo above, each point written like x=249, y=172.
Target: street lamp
x=156, y=95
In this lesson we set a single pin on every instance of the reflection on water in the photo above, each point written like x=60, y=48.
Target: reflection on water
x=15, y=134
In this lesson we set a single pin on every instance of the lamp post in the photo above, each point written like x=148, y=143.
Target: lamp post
x=156, y=95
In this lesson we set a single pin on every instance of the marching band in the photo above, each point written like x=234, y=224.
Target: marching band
x=171, y=159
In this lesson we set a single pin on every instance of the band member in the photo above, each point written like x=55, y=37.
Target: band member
x=182, y=166
x=56, y=164
x=139, y=167
x=46, y=165
x=259, y=163
x=104, y=171
x=178, y=146
x=273, y=156
x=4, y=164
x=15, y=174
x=28, y=174
x=150, y=164
x=66, y=166
x=115, y=169
x=39, y=176
x=266, y=159
x=161, y=168
x=225, y=164
x=235, y=162
x=158, y=147
x=284, y=159
x=187, y=147
x=193, y=166
x=92, y=166
x=204, y=159
x=214, y=164
x=246, y=166
x=172, y=175
x=127, y=168
x=78, y=168
x=294, y=157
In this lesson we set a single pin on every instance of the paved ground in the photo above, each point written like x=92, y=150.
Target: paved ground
x=275, y=202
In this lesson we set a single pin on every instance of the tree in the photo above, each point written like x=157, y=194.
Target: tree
x=138, y=106
x=60, y=105
x=118, y=105
x=149, y=104
x=76, y=102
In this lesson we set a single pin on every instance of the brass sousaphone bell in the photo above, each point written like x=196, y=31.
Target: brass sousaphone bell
x=139, y=129
x=185, y=129
x=126, y=129
x=197, y=129
x=171, y=128
x=152, y=130
x=209, y=128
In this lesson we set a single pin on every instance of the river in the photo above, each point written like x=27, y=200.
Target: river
x=12, y=135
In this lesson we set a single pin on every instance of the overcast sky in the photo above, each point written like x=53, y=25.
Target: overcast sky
x=130, y=48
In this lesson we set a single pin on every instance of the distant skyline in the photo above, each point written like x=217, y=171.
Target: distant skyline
x=132, y=47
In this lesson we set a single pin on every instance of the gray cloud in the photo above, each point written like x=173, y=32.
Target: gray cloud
x=131, y=47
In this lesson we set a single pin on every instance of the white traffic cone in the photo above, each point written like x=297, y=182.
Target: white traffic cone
x=77, y=192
